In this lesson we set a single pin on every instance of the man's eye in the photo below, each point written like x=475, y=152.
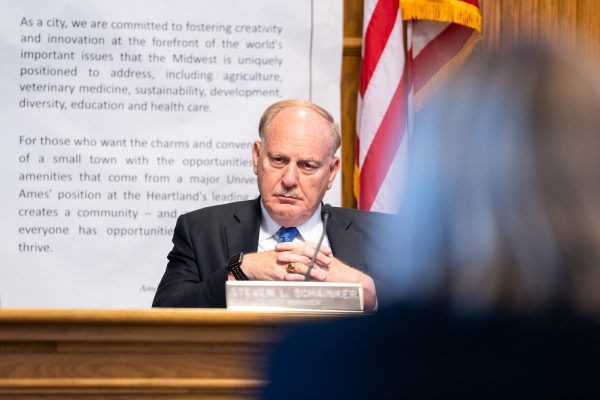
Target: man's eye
x=308, y=165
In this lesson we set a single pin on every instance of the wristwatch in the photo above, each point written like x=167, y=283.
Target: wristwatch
x=233, y=267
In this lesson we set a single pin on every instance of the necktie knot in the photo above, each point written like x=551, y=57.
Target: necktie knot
x=287, y=234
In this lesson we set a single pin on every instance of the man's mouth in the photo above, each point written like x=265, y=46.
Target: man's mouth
x=287, y=198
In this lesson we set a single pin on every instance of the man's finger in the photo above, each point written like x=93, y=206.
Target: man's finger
x=288, y=257
x=302, y=246
x=318, y=274
x=293, y=277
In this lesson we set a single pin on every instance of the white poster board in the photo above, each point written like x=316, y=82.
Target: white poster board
x=118, y=116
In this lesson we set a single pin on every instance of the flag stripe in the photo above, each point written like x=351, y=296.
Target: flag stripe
x=381, y=89
x=474, y=3
x=383, y=148
x=391, y=191
x=426, y=32
x=368, y=9
x=438, y=52
x=376, y=35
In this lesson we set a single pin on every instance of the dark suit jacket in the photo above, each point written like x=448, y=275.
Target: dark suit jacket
x=429, y=352
x=204, y=240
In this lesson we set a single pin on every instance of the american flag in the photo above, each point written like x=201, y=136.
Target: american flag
x=402, y=63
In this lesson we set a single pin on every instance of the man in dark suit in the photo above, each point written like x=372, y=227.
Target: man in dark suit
x=274, y=236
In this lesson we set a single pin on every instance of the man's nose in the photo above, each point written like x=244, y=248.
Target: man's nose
x=290, y=176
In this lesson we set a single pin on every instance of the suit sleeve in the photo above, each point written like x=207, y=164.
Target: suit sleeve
x=186, y=283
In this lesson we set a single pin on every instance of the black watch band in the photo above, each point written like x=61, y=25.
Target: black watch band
x=233, y=267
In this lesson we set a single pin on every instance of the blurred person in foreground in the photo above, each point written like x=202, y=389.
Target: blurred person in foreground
x=495, y=291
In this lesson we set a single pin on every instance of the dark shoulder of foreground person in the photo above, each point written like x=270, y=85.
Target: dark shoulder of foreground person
x=430, y=352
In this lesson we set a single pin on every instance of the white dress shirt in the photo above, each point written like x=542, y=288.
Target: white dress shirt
x=310, y=231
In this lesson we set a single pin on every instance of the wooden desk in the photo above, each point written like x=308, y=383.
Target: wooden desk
x=144, y=354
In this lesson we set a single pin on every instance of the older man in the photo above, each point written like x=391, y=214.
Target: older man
x=274, y=236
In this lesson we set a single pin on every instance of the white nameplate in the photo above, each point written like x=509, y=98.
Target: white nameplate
x=294, y=296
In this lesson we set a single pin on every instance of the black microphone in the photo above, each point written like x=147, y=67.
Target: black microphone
x=326, y=214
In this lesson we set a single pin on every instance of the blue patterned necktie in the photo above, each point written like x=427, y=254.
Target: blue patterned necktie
x=286, y=234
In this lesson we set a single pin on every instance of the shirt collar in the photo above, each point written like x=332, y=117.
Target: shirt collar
x=309, y=231
x=268, y=227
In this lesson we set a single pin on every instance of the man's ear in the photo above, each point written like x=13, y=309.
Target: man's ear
x=333, y=171
x=255, y=155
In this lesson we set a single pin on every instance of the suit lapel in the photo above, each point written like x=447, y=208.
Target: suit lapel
x=345, y=240
x=242, y=234
x=343, y=234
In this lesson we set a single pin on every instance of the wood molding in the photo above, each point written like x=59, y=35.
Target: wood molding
x=158, y=316
x=120, y=388
x=352, y=46
x=153, y=354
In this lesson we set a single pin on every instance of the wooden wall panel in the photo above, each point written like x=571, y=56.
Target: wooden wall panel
x=575, y=23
